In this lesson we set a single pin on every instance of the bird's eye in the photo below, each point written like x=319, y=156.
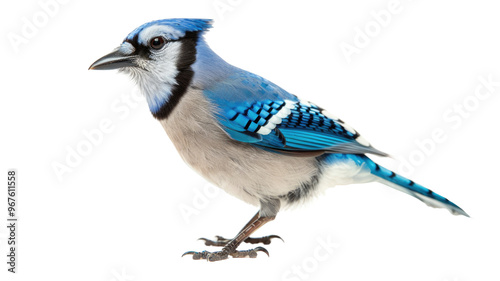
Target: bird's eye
x=157, y=43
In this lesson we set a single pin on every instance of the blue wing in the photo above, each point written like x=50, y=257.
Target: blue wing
x=256, y=111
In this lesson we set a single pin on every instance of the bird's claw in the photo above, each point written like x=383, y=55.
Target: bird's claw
x=197, y=255
x=252, y=253
x=266, y=240
x=206, y=255
x=219, y=242
x=223, y=255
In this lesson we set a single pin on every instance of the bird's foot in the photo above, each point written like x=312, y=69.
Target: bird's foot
x=224, y=255
x=221, y=241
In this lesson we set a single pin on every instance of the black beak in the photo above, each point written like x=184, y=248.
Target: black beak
x=114, y=60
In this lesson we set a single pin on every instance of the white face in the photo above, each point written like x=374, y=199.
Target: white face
x=158, y=52
x=160, y=57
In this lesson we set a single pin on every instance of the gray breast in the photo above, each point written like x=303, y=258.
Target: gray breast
x=242, y=170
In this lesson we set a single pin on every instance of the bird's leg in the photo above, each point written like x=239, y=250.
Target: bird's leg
x=230, y=246
x=267, y=213
x=221, y=241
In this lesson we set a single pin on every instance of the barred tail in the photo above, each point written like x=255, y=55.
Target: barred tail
x=408, y=186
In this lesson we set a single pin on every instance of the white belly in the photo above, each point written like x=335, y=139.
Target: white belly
x=246, y=172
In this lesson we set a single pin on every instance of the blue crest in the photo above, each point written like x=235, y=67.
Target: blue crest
x=181, y=25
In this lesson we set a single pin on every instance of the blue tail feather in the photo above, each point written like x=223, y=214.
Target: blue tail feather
x=416, y=190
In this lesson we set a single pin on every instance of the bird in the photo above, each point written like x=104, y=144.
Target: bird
x=243, y=133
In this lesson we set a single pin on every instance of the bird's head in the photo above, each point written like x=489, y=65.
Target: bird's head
x=158, y=55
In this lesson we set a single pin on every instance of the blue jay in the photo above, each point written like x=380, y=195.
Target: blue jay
x=243, y=133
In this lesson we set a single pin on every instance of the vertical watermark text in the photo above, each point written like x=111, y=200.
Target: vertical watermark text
x=12, y=224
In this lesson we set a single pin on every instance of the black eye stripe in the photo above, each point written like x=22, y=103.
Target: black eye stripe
x=134, y=41
x=145, y=51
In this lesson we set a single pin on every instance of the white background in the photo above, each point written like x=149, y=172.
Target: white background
x=117, y=214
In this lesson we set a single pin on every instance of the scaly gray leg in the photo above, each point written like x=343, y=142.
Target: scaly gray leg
x=268, y=211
